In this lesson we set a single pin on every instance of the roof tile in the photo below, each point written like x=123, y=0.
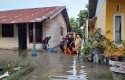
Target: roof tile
x=28, y=15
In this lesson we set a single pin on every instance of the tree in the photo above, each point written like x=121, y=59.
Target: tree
x=78, y=22
x=74, y=24
x=83, y=14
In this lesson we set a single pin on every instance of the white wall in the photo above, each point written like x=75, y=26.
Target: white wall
x=100, y=4
x=101, y=19
x=9, y=42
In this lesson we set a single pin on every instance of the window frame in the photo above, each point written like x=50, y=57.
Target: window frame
x=9, y=33
x=122, y=28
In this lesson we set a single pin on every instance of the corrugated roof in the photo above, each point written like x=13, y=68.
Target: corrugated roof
x=29, y=15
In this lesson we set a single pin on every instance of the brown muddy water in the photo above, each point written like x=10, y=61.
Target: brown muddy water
x=57, y=66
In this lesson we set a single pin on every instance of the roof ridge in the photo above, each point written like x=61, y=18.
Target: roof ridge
x=29, y=8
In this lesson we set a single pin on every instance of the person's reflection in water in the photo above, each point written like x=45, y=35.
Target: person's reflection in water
x=22, y=53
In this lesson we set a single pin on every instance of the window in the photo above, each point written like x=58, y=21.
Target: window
x=118, y=29
x=38, y=32
x=117, y=7
x=7, y=30
x=61, y=31
x=38, y=28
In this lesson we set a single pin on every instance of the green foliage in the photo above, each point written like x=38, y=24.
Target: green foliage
x=83, y=14
x=75, y=26
x=21, y=72
x=10, y=78
x=94, y=41
x=87, y=48
x=21, y=62
x=7, y=67
x=78, y=22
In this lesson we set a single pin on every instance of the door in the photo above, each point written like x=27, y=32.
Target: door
x=22, y=37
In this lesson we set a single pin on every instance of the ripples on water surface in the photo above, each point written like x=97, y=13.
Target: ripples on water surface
x=59, y=66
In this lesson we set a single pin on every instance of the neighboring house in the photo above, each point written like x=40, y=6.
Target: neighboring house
x=17, y=26
x=110, y=16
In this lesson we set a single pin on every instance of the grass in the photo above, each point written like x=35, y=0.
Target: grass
x=9, y=65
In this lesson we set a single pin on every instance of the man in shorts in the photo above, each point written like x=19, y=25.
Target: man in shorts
x=45, y=42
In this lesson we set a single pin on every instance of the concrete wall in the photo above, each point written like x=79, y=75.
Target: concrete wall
x=9, y=42
x=63, y=24
x=53, y=28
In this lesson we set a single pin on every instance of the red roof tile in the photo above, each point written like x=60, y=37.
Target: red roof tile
x=29, y=15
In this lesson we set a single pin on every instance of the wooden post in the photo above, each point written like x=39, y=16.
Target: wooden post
x=34, y=41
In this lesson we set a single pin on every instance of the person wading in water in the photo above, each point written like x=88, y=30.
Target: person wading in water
x=45, y=43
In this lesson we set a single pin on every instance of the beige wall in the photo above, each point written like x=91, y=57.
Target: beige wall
x=101, y=19
x=9, y=43
x=53, y=28
x=63, y=24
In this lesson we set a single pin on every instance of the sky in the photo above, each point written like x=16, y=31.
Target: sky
x=73, y=6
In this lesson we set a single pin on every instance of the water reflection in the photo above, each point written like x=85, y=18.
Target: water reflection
x=75, y=72
x=22, y=53
x=57, y=66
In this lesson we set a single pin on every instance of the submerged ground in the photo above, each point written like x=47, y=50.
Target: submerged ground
x=57, y=66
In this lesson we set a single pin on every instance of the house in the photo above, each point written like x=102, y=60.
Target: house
x=25, y=28
x=110, y=16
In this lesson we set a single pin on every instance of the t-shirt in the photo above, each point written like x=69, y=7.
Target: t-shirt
x=46, y=40
x=70, y=40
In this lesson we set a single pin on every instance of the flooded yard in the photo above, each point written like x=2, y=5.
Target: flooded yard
x=57, y=66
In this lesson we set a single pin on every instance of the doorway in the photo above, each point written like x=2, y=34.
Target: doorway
x=22, y=36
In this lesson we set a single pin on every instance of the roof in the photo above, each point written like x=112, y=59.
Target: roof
x=92, y=8
x=29, y=15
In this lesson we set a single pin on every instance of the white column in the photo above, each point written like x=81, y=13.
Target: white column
x=87, y=30
x=34, y=40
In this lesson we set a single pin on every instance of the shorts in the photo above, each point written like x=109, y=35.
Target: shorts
x=44, y=46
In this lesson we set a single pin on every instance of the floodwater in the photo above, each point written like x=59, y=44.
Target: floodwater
x=57, y=66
